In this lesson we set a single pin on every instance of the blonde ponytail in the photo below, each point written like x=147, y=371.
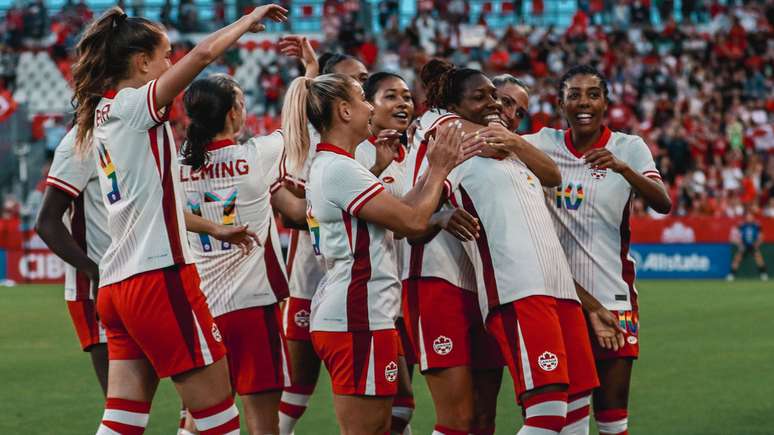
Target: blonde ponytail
x=294, y=123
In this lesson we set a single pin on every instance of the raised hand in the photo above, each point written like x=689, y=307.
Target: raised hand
x=444, y=149
x=300, y=47
x=276, y=13
x=602, y=158
x=387, y=143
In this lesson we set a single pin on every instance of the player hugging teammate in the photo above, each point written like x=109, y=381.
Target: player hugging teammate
x=430, y=246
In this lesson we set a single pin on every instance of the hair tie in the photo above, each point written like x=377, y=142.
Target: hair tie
x=118, y=19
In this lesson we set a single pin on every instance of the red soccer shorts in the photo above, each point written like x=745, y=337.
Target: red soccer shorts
x=361, y=363
x=445, y=328
x=295, y=318
x=530, y=336
x=160, y=315
x=406, y=350
x=582, y=369
x=257, y=352
x=630, y=321
x=88, y=328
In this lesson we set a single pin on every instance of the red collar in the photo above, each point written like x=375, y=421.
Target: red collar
x=110, y=93
x=601, y=142
x=218, y=144
x=401, y=149
x=333, y=149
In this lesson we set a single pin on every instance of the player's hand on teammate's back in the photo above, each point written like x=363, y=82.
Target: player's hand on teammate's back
x=602, y=158
x=238, y=235
x=459, y=223
x=606, y=328
x=273, y=12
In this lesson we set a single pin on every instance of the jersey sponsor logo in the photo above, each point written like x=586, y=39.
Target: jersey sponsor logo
x=548, y=361
x=443, y=345
x=569, y=196
x=314, y=231
x=301, y=318
x=109, y=169
x=391, y=371
x=216, y=333
x=227, y=198
x=196, y=208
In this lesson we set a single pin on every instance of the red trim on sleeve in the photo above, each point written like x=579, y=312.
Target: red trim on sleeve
x=110, y=93
x=333, y=149
x=600, y=143
x=149, y=100
x=652, y=174
x=63, y=186
x=356, y=204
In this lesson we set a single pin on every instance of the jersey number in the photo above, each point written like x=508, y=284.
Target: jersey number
x=109, y=169
x=225, y=199
x=569, y=195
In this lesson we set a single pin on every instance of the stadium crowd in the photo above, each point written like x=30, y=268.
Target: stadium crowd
x=699, y=91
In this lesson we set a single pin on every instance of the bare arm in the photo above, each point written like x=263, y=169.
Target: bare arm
x=53, y=231
x=651, y=189
x=291, y=207
x=177, y=78
x=536, y=160
x=236, y=234
x=604, y=324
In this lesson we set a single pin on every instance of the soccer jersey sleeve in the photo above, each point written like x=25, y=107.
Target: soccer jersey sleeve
x=138, y=107
x=539, y=140
x=70, y=171
x=270, y=152
x=640, y=159
x=349, y=185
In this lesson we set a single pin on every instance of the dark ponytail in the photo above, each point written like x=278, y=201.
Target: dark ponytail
x=444, y=83
x=207, y=103
x=104, y=54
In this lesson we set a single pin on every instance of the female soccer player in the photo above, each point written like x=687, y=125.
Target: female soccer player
x=525, y=290
x=229, y=183
x=600, y=172
x=354, y=311
x=514, y=96
x=72, y=187
x=123, y=82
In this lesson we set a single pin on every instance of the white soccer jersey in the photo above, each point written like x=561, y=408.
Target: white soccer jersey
x=304, y=269
x=76, y=176
x=591, y=213
x=233, y=188
x=443, y=257
x=361, y=289
x=394, y=180
x=140, y=184
x=518, y=253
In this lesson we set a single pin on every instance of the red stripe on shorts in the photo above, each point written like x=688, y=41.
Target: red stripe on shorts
x=178, y=300
x=361, y=353
x=275, y=339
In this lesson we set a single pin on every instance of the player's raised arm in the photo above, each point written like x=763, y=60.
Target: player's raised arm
x=172, y=82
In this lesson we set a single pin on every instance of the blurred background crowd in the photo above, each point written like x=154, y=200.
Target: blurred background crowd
x=693, y=78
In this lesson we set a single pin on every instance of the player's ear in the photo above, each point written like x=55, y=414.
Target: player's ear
x=141, y=62
x=344, y=110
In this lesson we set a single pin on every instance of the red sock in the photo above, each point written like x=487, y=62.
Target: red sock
x=612, y=421
x=441, y=430
x=578, y=411
x=221, y=419
x=183, y=415
x=402, y=410
x=125, y=417
x=546, y=411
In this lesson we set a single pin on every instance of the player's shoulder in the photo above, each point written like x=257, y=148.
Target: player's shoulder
x=66, y=146
x=627, y=142
x=545, y=137
x=432, y=119
x=272, y=143
x=365, y=153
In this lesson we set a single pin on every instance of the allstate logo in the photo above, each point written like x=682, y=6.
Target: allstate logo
x=443, y=345
x=216, y=333
x=548, y=361
x=391, y=371
x=302, y=318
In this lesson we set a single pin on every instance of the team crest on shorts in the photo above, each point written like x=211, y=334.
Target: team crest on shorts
x=391, y=372
x=548, y=361
x=302, y=318
x=632, y=339
x=443, y=345
x=216, y=333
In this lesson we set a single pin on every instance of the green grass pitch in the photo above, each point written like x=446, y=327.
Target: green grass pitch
x=707, y=367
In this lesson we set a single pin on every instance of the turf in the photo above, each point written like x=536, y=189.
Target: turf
x=706, y=367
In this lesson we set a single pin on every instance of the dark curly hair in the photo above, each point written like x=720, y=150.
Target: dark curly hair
x=444, y=83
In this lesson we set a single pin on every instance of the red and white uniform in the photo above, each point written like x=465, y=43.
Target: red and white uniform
x=233, y=188
x=440, y=274
x=521, y=279
x=76, y=176
x=591, y=215
x=304, y=270
x=147, y=281
x=360, y=296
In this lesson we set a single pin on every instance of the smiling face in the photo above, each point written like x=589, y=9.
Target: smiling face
x=479, y=103
x=584, y=103
x=393, y=105
x=515, y=101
